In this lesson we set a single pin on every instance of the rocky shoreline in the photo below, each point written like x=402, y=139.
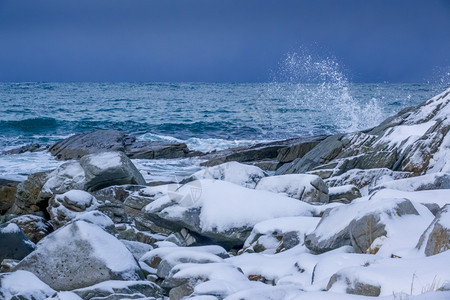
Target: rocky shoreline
x=364, y=213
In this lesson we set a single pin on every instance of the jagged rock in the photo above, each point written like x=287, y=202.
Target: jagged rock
x=305, y=187
x=436, y=238
x=282, y=151
x=109, y=168
x=79, y=255
x=345, y=193
x=14, y=244
x=415, y=140
x=27, y=196
x=359, y=224
x=116, y=290
x=99, y=141
x=24, y=286
x=237, y=173
x=8, y=190
x=434, y=181
x=66, y=207
x=138, y=249
x=35, y=227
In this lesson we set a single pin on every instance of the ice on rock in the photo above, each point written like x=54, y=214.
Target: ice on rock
x=305, y=187
x=23, y=285
x=244, y=175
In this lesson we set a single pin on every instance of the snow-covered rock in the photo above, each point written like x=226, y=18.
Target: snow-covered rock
x=64, y=296
x=436, y=238
x=23, y=285
x=305, y=187
x=109, y=168
x=279, y=234
x=14, y=244
x=79, y=255
x=219, y=279
x=439, y=197
x=65, y=207
x=375, y=225
x=34, y=227
x=344, y=193
x=433, y=181
x=68, y=176
x=221, y=211
x=393, y=276
x=245, y=175
x=116, y=289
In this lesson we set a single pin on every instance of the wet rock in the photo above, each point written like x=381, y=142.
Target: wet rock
x=79, y=255
x=436, y=238
x=14, y=244
x=23, y=149
x=99, y=141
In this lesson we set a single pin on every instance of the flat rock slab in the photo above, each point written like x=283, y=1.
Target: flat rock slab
x=98, y=141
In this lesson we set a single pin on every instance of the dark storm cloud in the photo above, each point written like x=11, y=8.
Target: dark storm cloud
x=165, y=40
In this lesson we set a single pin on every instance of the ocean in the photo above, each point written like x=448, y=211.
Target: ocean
x=206, y=116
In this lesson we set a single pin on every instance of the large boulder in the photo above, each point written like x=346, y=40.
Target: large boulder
x=241, y=174
x=109, y=168
x=304, y=187
x=436, y=238
x=24, y=286
x=14, y=244
x=79, y=255
x=369, y=226
x=99, y=141
x=220, y=211
x=65, y=207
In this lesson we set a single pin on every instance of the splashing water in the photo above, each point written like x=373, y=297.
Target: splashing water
x=318, y=88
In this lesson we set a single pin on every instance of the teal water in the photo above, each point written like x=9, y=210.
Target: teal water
x=205, y=116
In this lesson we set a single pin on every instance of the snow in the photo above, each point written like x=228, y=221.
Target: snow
x=69, y=174
x=166, y=251
x=440, y=197
x=412, y=276
x=298, y=186
x=412, y=184
x=226, y=205
x=10, y=228
x=406, y=134
x=111, y=285
x=105, y=160
x=79, y=198
x=279, y=226
x=65, y=296
x=341, y=189
x=241, y=174
x=95, y=217
x=25, y=284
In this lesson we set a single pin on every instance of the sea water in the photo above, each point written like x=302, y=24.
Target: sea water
x=206, y=116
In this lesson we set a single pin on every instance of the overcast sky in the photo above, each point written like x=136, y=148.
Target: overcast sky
x=219, y=41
